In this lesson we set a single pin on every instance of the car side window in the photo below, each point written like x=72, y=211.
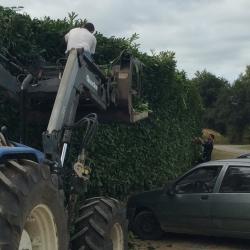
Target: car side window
x=201, y=180
x=236, y=180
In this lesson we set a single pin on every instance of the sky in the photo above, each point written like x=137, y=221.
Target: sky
x=204, y=34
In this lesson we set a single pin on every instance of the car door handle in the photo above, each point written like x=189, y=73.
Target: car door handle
x=204, y=197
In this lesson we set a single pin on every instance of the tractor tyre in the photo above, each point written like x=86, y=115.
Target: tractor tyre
x=101, y=225
x=32, y=214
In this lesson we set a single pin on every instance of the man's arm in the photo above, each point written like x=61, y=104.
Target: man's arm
x=93, y=47
x=66, y=37
x=199, y=140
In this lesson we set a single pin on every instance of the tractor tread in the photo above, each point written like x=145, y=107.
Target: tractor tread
x=21, y=188
x=93, y=198
x=102, y=213
x=89, y=205
x=85, y=216
x=80, y=233
x=17, y=166
x=8, y=183
x=97, y=228
x=109, y=204
x=91, y=244
x=97, y=216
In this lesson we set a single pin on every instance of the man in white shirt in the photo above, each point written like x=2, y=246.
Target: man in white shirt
x=82, y=37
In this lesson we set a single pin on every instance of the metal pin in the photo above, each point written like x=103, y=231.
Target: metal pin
x=64, y=150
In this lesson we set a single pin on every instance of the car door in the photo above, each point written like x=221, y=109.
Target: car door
x=231, y=204
x=188, y=208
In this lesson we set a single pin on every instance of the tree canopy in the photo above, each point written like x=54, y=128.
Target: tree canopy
x=226, y=107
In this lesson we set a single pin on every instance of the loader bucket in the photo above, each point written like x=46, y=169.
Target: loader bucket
x=128, y=77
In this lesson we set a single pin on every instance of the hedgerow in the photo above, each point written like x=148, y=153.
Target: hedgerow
x=127, y=157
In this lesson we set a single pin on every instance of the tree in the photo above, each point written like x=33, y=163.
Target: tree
x=210, y=87
x=239, y=119
x=212, y=90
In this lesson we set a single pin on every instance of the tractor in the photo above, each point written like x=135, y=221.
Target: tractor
x=35, y=213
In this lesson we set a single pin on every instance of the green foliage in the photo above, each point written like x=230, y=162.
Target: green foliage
x=226, y=108
x=239, y=107
x=133, y=157
x=209, y=87
x=212, y=89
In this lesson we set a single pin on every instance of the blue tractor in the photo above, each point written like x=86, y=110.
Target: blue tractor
x=34, y=212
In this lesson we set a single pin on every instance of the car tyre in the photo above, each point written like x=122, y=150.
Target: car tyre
x=146, y=226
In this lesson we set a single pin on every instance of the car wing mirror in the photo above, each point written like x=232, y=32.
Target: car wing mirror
x=169, y=189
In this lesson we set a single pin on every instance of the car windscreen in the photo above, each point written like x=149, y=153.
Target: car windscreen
x=200, y=180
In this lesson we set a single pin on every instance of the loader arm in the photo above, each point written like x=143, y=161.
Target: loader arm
x=81, y=77
x=76, y=79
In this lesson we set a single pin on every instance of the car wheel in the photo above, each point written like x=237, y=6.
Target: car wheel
x=146, y=226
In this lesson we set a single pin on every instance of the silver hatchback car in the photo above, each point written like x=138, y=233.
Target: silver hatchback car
x=211, y=199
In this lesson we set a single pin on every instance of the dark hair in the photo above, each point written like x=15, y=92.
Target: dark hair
x=90, y=27
x=212, y=136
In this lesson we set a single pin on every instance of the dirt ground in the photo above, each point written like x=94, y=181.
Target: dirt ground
x=187, y=242
x=234, y=149
x=229, y=151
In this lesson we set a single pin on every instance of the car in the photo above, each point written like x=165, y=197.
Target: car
x=244, y=156
x=212, y=199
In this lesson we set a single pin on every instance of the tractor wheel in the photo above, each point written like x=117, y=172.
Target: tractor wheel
x=32, y=214
x=101, y=225
x=146, y=226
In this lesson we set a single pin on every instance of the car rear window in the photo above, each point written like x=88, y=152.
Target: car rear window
x=236, y=180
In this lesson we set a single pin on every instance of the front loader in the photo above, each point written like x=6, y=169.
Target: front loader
x=34, y=213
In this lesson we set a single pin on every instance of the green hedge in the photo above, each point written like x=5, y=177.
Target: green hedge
x=144, y=155
x=128, y=158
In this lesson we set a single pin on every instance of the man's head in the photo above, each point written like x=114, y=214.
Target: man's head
x=90, y=27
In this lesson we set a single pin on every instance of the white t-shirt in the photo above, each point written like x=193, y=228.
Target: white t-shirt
x=80, y=38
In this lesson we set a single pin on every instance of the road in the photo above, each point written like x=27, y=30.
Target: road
x=229, y=151
x=187, y=242
x=237, y=149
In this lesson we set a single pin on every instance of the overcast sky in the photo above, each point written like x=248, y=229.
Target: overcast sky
x=204, y=34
